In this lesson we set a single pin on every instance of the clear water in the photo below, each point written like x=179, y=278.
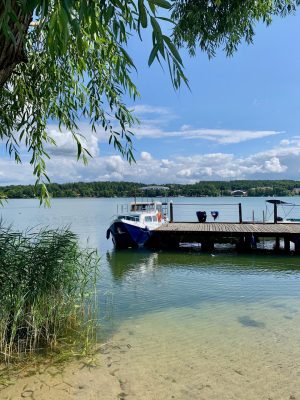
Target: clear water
x=187, y=325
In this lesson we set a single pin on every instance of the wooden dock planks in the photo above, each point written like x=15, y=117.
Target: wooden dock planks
x=243, y=235
x=231, y=228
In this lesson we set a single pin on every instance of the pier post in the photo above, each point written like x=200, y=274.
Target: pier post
x=240, y=244
x=275, y=213
x=240, y=213
x=171, y=212
x=248, y=242
x=287, y=245
x=277, y=243
x=207, y=245
x=297, y=244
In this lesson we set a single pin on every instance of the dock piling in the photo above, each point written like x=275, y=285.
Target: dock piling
x=275, y=214
x=240, y=213
x=171, y=212
x=287, y=244
x=245, y=235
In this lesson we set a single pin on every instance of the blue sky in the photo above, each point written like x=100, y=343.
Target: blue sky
x=240, y=120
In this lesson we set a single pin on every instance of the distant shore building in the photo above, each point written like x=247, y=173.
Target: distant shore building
x=239, y=193
x=296, y=191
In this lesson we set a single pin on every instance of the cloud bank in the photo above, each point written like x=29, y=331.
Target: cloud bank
x=278, y=162
x=272, y=164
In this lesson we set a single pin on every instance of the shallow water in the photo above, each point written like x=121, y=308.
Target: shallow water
x=187, y=325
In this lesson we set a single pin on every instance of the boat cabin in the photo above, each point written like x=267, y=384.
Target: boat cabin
x=147, y=206
x=143, y=218
x=146, y=212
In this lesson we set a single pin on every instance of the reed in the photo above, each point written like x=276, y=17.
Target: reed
x=47, y=288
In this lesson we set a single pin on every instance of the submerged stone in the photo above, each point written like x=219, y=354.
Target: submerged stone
x=249, y=322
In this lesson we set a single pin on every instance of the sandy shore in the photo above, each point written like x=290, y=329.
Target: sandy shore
x=155, y=357
x=82, y=380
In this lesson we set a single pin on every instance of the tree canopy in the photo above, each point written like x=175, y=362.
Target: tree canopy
x=224, y=23
x=130, y=189
x=67, y=60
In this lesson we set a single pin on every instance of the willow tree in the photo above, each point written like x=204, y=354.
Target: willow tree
x=66, y=60
x=213, y=24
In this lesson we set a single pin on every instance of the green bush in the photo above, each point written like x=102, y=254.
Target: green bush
x=46, y=290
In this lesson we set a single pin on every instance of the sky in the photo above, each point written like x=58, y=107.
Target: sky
x=241, y=120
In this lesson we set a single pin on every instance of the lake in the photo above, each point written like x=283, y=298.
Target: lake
x=184, y=325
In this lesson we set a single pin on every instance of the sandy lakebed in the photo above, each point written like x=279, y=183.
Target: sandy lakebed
x=154, y=358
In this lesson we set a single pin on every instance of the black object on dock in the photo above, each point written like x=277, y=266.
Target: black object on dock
x=201, y=215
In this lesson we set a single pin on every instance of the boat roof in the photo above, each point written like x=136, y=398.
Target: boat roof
x=145, y=202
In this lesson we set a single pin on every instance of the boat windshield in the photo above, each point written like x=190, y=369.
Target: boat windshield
x=142, y=207
x=151, y=218
x=134, y=218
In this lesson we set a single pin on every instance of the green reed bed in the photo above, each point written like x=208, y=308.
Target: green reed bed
x=47, y=293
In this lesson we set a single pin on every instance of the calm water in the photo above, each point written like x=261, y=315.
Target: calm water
x=213, y=326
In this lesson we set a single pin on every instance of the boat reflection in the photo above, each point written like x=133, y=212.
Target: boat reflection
x=141, y=262
x=124, y=262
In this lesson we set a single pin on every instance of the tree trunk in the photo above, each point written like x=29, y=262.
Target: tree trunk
x=11, y=54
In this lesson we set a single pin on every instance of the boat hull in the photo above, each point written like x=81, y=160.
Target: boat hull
x=127, y=235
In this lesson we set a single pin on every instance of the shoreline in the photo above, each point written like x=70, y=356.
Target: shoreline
x=155, y=357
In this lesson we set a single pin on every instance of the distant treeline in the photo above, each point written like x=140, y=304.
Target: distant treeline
x=130, y=189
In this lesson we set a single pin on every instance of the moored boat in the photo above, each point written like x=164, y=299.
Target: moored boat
x=134, y=228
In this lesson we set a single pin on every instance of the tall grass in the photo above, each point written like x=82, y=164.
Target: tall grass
x=46, y=291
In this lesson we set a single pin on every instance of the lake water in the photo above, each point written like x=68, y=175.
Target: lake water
x=186, y=325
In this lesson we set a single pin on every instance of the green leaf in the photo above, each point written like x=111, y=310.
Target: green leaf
x=162, y=3
x=77, y=69
x=156, y=28
x=153, y=54
x=127, y=57
x=142, y=13
x=173, y=49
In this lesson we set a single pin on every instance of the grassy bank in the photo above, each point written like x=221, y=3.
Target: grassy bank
x=46, y=293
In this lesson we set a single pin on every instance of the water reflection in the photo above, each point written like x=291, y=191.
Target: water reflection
x=125, y=262
x=131, y=261
x=145, y=282
x=229, y=322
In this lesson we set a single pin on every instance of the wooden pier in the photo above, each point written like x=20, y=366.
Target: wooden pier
x=244, y=235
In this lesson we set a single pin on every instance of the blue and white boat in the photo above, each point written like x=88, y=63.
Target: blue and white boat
x=133, y=226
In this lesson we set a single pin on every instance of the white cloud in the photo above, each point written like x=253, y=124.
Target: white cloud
x=281, y=161
x=220, y=136
x=185, y=127
x=152, y=128
x=273, y=165
x=114, y=164
x=285, y=142
x=185, y=173
x=12, y=173
x=66, y=145
x=142, y=109
x=262, y=165
x=223, y=136
x=157, y=127
x=145, y=156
